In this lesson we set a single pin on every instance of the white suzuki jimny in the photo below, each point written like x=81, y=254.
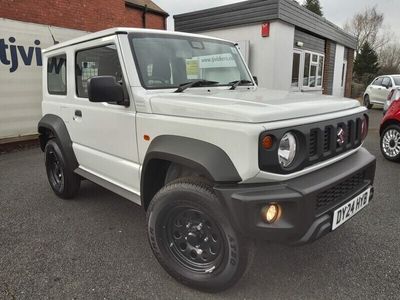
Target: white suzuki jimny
x=176, y=123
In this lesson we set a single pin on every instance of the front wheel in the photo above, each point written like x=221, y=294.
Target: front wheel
x=390, y=143
x=367, y=102
x=192, y=238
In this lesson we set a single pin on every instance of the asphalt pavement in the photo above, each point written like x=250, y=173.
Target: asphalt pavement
x=95, y=246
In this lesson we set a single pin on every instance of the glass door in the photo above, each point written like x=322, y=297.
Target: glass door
x=296, y=76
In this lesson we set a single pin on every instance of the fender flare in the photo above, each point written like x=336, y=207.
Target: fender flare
x=56, y=126
x=199, y=155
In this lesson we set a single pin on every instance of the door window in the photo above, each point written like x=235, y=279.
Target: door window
x=98, y=61
x=386, y=82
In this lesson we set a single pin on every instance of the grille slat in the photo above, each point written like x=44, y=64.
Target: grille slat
x=330, y=197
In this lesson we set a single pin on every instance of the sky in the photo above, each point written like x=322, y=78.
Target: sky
x=336, y=11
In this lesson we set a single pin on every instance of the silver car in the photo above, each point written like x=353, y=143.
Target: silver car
x=378, y=91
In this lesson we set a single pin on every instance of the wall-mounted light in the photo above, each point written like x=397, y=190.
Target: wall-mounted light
x=299, y=44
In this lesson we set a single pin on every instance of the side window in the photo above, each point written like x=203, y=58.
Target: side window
x=57, y=75
x=96, y=62
x=378, y=81
x=386, y=82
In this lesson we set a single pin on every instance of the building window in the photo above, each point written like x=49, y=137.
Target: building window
x=313, y=70
x=57, y=75
x=307, y=70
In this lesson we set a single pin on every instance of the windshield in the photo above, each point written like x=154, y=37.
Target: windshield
x=168, y=61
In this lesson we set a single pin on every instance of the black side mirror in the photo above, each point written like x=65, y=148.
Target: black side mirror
x=105, y=89
x=255, y=79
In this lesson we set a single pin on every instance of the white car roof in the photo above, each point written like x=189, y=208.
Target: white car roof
x=116, y=30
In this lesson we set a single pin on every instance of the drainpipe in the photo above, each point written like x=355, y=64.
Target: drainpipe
x=144, y=16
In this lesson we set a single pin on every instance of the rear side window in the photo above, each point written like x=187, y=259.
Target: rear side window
x=57, y=75
x=396, y=80
x=96, y=62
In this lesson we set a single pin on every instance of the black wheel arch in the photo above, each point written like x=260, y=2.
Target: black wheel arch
x=203, y=157
x=52, y=126
x=386, y=124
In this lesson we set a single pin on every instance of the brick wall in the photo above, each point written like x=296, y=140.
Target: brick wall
x=87, y=15
x=349, y=74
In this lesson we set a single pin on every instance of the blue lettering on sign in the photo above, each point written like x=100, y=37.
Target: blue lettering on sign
x=9, y=54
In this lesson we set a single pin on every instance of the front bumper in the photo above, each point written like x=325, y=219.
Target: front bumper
x=307, y=202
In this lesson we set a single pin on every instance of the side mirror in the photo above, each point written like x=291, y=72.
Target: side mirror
x=105, y=89
x=255, y=79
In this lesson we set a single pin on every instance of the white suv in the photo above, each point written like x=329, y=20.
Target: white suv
x=175, y=123
x=378, y=91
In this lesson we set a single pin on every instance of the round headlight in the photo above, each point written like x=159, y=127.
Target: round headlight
x=287, y=150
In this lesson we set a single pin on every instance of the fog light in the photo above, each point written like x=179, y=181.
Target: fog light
x=271, y=213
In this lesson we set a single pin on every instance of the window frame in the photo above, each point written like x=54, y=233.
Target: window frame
x=301, y=70
x=312, y=64
x=301, y=86
x=66, y=74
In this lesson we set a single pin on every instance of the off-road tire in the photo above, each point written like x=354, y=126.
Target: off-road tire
x=63, y=181
x=194, y=195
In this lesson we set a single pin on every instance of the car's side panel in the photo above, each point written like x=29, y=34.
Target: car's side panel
x=237, y=140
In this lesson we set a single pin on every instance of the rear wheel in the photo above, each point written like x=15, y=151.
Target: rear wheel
x=390, y=143
x=64, y=182
x=192, y=238
x=367, y=102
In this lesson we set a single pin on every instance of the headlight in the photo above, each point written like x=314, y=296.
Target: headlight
x=287, y=150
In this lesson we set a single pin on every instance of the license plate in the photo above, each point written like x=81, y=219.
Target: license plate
x=347, y=211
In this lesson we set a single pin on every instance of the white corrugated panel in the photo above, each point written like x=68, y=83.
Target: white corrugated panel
x=21, y=73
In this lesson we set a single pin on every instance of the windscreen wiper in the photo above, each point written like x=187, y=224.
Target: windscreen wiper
x=235, y=84
x=200, y=82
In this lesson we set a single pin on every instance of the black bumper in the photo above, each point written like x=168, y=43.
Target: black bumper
x=307, y=202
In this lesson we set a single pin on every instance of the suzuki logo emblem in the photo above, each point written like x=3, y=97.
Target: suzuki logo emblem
x=341, y=136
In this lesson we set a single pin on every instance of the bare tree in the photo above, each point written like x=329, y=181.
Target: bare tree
x=389, y=59
x=367, y=27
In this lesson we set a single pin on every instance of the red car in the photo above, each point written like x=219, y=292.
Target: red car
x=390, y=128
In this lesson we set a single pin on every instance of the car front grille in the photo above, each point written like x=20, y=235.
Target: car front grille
x=323, y=141
x=317, y=142
x=330, y=197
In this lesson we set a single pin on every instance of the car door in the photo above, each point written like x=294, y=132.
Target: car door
x=375, y=88
x=104, y=134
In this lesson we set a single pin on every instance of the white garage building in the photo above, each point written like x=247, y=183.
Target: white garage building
x=286, y=45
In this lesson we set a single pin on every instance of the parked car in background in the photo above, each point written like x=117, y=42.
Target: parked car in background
x=390, y=128
x=378, y=91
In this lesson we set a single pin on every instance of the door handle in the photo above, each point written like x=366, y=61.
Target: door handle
x=78, y=113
